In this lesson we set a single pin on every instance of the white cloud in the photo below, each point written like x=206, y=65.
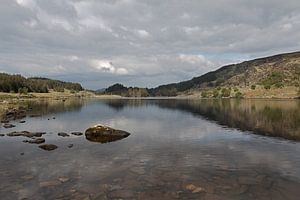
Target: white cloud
x=142, y=33
x=194, y=59
x=26, y=3
x=191, y=30
x=72, y=58
x=108, y=67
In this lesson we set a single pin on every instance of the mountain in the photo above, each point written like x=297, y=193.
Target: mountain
x=274, y=76
x=18, y=83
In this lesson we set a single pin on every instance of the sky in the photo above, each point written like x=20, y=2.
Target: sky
x=142, y=43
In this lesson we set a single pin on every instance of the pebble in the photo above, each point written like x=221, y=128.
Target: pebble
x=62, y=134
x=49, y=183
x=48, y=147
x=194, y=189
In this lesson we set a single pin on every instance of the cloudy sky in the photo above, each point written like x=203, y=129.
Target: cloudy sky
x=140, y=42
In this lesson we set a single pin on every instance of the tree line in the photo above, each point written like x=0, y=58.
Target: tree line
x=17, y=83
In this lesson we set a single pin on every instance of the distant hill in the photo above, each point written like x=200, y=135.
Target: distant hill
x=18, y=83
x=277, y=75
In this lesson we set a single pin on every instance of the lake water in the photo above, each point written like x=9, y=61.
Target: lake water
x=178, y=149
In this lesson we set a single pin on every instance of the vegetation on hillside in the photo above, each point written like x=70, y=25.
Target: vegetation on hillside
x=18, y=83
x=260, y=76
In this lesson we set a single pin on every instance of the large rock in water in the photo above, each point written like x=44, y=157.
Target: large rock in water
x=104, y=134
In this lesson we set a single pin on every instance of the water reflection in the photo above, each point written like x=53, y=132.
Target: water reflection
x=277, y=118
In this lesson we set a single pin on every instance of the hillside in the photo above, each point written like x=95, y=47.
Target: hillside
x=275, y=76
x=18, y=83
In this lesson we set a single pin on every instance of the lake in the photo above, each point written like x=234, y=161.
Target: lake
x=178, y=149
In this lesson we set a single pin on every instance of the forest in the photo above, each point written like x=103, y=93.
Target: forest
x=16, y=83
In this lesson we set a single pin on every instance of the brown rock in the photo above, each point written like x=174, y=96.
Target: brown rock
x=63, y=179
x=104, y=134
x=35, y=141
x=49, y=183
x=62, y=134
x=121, y=194
x=194, y=189
x=26, y=134
x=8, y=126
x=48, y=147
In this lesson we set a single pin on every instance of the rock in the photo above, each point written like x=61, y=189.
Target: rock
x=194, y=189
x=35, y=141
x=48, y=147
x=63, y=134
x=77, y=133
x=121, y=194
x=22, y=154
x=8, y=126
x=27, y=177
x=1, y=135
x=138, y=170
x=22, y=122
x=34, y=115
x=4, y=121
x=70, y=145
x=15, y=114
x=50, y=183
x=53, y=118
x=26, y=134
x=198, y=189
x=104, y=134
x=63, y=179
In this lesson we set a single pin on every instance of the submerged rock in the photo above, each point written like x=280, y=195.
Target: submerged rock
x=50, y=183
x=63, y=134
x=25, y=134
x=35, y=141
x=194, y=189
x=35, y=115
x=104, y=134
x=22, y=121
x=13, y=114
x=77, y=133
x=8, y=126
x=70, y=145
x=48, y=147
x=1, y=135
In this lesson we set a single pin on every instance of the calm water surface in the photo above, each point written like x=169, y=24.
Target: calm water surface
x=178, y=149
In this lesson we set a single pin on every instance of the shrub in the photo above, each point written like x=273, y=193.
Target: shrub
x=253, y=87
x=267, y=87
x=23, y=90
x=59, y=89
x=204, y=94
x=225, y=92
x=215, y=93
x=239, y=95
x=279, y=85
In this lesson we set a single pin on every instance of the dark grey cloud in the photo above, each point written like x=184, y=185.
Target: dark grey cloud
x=143, y=43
